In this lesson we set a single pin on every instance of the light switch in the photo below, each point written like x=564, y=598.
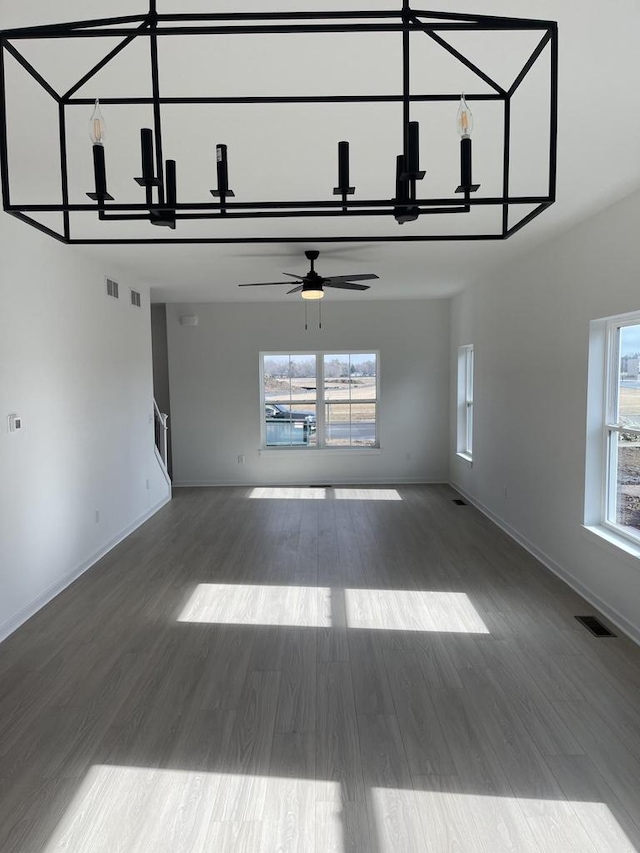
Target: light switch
x=15, y=423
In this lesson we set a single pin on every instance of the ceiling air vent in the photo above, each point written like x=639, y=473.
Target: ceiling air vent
x=135, y=298
x=112, y=288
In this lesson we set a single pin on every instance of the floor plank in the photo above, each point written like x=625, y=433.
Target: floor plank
x=392, y=803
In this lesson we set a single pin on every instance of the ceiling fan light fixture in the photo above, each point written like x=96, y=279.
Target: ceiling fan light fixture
x=314, y=291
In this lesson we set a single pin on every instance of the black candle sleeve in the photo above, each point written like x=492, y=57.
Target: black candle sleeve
x=466, y=185
x=170, y=177
x=100, y=171
x=146, y=143
x=343, y=165
x=223, y=169
x=465, y=162
x=343, y=189
x=402, y=189
x=222, y=192
x=413, y=152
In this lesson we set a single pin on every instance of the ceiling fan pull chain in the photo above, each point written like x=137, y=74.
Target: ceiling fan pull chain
x=306, y=325
x=319, y=315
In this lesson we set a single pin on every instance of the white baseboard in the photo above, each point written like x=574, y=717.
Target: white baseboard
x=621, y=622
x=206, y=484
x=14, y=622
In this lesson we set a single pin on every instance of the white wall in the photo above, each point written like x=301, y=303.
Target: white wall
x=530, y=328
x=77, y=367
x=215, y=390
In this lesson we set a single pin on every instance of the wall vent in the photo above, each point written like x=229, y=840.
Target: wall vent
x=459, y=502
x=591, y=623
x=135, y=298
x=112, y=288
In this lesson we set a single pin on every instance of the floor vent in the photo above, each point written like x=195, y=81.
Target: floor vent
x=459, y=502
x=591, y=623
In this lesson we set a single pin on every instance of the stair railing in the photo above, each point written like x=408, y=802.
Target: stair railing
x=161, y=429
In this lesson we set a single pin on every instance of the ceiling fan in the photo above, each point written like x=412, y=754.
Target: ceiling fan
x=311, y=285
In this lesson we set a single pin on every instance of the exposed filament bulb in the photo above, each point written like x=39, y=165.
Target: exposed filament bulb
x=97, y=126
x=464, y=119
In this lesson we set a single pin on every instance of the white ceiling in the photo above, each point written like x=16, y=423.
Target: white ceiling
x=274, y=148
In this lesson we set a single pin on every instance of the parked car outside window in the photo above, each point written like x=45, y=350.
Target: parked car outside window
x=282, y=412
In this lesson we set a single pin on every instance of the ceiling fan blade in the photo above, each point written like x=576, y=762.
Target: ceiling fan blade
x=345, y=285
x=365, y=277
x=293, y=275
x=264, y=283
x=295, y=289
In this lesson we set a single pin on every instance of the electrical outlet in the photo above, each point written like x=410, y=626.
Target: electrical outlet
x=148, y=484
x=97, y=516
x=408, y=457
x=504, y=493
x=241, y=459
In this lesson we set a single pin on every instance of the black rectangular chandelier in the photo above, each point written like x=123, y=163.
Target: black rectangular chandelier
x=155, y=201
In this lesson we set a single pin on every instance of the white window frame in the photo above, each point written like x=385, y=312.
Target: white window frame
x=465, y=402
x=320, y=403
x=603, y=427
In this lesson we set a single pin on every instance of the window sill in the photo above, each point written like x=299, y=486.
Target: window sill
x=608, y=537
x=320, y=451
x=466, y=457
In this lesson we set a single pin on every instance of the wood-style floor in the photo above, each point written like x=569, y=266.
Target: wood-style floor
x=320, y=672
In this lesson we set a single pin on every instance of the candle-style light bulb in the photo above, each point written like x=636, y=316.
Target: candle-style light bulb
x=97, y=126
x=464, y=119
x=464, y=124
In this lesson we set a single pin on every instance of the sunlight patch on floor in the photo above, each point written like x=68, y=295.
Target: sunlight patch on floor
x=320, y=493
x=240, y=604
x=295, y=493
x=366, y=495
x=150, y=810
x=156, y=810
x=311, y=607
x=476, y=823
x=412, y=610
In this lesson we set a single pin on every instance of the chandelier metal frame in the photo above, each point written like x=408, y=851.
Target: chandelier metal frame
x=161, y=206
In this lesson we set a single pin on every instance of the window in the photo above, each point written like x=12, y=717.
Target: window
x=465, y=402
x=612, y=494
x=622, y=427
x=319, y=399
